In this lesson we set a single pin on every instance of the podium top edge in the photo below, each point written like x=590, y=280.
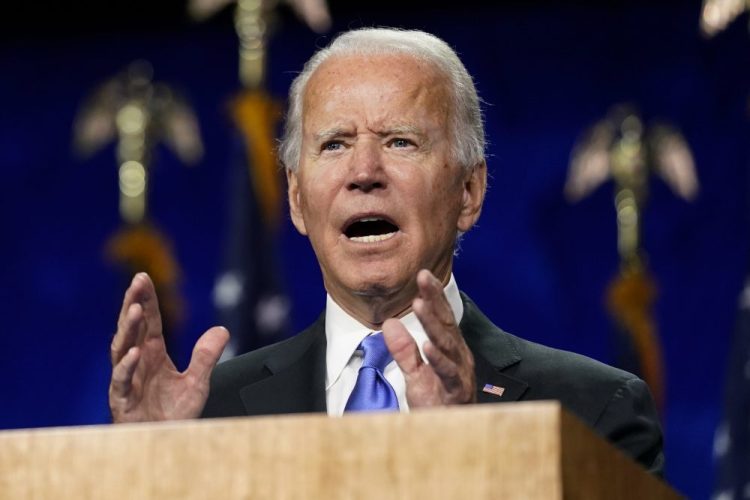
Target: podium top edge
x=550, y=407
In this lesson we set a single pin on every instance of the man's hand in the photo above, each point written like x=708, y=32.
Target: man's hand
x=145, y=384
x=449, y=376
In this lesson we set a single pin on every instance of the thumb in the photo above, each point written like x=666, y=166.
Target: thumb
x=207, y=352
x=402, y=346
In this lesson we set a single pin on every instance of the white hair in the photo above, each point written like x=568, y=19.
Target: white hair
x=467, y=129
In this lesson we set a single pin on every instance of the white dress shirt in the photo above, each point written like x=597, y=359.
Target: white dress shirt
x=343, y=359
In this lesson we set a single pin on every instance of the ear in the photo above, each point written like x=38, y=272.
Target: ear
x=295, y=210
x=474, y=187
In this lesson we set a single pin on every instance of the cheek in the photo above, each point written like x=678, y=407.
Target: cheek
x=323, y=180
x=316, y=204
x=313, y=212
x=445, y=193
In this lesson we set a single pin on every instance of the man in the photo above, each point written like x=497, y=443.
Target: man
x=384, y=153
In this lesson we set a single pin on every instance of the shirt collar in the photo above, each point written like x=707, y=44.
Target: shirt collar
x=344, y=333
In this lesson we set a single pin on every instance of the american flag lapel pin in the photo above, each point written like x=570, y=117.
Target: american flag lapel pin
x=493, y=389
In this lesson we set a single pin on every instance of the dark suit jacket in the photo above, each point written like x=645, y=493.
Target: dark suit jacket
x=289, y=377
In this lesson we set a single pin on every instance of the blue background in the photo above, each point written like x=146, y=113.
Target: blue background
x=537, y=265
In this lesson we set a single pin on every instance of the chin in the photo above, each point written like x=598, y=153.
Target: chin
x=378, y=285
x=374, y=290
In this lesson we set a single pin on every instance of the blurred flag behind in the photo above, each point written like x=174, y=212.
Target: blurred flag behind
x=249, y=294
x=732, y=441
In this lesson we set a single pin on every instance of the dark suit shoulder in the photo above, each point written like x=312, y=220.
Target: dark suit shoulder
x=230, y=376
x=615, y=403
x=582, y=384
x=249, y=365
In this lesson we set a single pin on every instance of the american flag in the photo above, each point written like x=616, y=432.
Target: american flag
x=493, y=389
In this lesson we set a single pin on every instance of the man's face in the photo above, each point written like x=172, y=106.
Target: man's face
x=376, y=190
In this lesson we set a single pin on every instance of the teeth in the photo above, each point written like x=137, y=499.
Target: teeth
x=370, y=219
x=372, y=238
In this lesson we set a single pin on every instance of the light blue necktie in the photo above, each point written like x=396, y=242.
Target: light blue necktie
x=372, y=392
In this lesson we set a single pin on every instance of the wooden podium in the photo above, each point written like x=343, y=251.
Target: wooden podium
x=522, y=450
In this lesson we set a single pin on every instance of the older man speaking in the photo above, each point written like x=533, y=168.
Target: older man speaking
x=384, y=153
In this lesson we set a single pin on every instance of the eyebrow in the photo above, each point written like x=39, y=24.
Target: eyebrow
x=330, y=133
x=402, y=130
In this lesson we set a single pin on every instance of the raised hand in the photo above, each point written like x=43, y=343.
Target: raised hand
x=145, y=384
x=448, y=378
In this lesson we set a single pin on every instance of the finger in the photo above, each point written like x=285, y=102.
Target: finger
x=457, y=377
x=141, y=291
x=445, y=337
x=122, y=374
x=430, y=289
x=428, y=284
x=207, y=352
x=129, y=299
x=402, y=346
x=145, y=295
x=444, y=367
x=127, y=332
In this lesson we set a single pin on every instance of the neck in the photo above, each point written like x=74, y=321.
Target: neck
x=373, y=307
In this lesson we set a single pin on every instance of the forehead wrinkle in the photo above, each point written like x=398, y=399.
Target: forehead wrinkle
x=425, y=102
x=333, y=81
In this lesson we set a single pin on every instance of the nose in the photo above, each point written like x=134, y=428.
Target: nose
x=366, y=167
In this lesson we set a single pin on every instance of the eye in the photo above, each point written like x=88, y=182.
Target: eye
x=400, y=142
x=332, y=146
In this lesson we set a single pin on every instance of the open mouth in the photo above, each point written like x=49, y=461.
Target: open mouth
x=370, y=230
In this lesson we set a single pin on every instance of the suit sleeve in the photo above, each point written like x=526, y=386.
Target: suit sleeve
x=630, y=422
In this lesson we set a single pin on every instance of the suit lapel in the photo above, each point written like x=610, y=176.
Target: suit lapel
x=491, y=380
x=494, y=352
x=296, y=377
